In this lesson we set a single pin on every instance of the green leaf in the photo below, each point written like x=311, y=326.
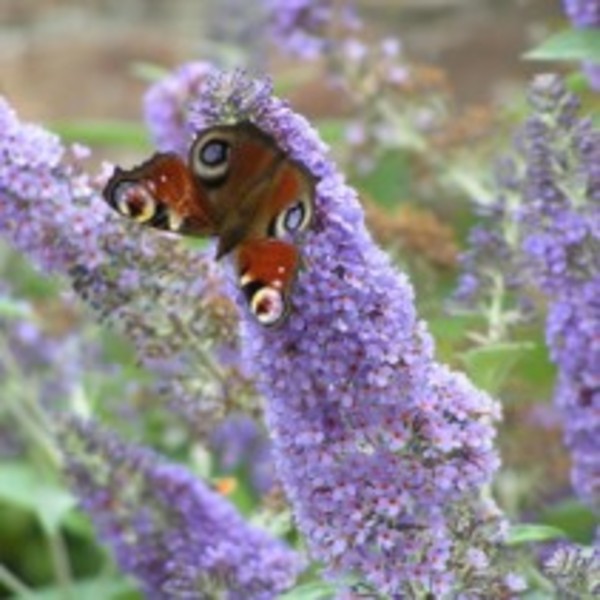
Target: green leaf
x=104, y=133
x=531, y=532
x=148, y=72
x=315, y=590
x=578, y=521
x=14, y=309
x=20, y=484
x=389, y=182
x=452, y=329
x=488, y=366
x=332, y=131
x=90, y=589
x=572, y=44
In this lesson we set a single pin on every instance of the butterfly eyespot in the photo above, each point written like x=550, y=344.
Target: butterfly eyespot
x=210, y=157
x=135, y=201
x=268, y=306
x=293, y=219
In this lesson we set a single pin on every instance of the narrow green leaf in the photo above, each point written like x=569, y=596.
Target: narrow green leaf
x=571, y=44
x=333, y=131
x=14, y=309
x=488, y=366
x=22, y=485
x=316, y=590
x=104, y=133
x=389, y=181
x=530, y=532
x=89, y=589
x=571, y=516
x=148, y=71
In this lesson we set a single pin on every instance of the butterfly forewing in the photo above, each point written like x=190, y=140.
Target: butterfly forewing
x=161, y=193
x=252, y=187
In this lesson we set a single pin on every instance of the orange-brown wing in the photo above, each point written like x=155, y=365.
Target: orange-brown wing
x=251, y=184
x=267, y=269
x=161, y=193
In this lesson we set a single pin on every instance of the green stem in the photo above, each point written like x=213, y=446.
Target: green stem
x=61, y=564
x=25, y=409
x=27, y=416
x=32, y=419
x=13, y=584
x=496, y=329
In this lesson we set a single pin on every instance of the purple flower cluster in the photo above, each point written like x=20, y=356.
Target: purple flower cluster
x=550, y=237
x=53, y=363
x=239, y=444
x=561, y=190
x=179, y=538
x=492, y=266
x=49, y=210
x=585, y=14
x=373, y=77
x=573, y=334
x=166, y=106
x=299, y=27
x=136, y=279
x=383, y=452
x=185, y=329
x=561, y=243
x=575, y=570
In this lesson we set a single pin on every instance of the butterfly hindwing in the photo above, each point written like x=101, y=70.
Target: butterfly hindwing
x=267, y=269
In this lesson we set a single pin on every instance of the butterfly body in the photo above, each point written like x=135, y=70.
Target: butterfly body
x=239, y=187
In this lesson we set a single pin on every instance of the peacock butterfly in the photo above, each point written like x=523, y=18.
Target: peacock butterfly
x=239, y=186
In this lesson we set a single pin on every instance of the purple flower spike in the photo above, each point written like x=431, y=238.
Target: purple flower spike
x=239, y=443
x=43, y=189
x=165, y=106
x=299, y=26
x=179, y=538
x=543, y=228
x=583, y=13
x=382, y=451
x=561, y=243
x=573, y=334
x=137, y=279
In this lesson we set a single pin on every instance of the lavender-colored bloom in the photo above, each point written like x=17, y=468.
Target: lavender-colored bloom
x=561, y=242
x=573, y=335
x=299, y=26
x=492, y=273
x=382, y=451
x=166, y=106
x=43, y=189
x=239, y=444
x=303, y=27
x=575, y=570
x=583, y=13
x=561, y=190
x=179, y=538
x=42, y=347
x=549, y=203
x=137, y=279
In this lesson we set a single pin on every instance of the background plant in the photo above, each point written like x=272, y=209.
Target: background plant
x=164, y=367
